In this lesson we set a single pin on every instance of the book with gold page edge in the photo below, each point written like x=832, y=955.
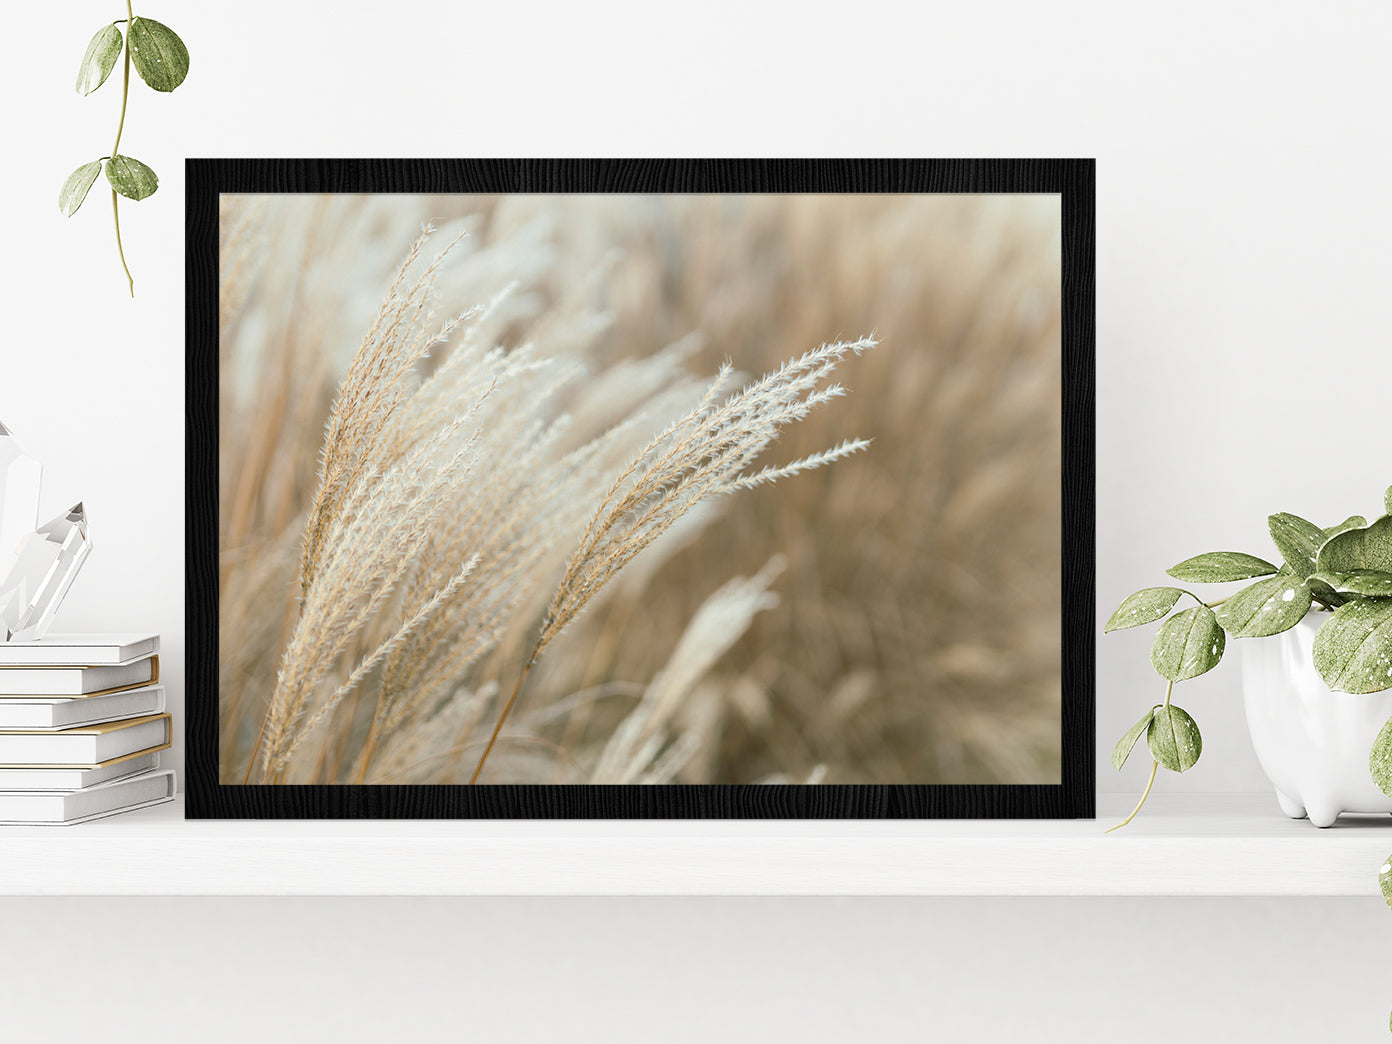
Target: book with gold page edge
x=78, y=681
x=63, y=777
x=86, y=746
x=51, y=713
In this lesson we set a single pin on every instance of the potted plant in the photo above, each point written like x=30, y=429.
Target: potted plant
x=1318, y=691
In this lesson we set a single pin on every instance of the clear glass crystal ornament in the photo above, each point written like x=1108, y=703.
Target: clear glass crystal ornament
x=42, y=570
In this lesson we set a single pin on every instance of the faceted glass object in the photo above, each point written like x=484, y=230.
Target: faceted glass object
x=19, y=496
x=42, y=571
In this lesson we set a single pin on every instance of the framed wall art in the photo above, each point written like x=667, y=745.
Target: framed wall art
x=640, y=489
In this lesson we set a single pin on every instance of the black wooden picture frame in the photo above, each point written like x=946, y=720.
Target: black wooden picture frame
x=1072, y=797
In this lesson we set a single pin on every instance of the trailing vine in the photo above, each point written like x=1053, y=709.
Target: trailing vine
x=162, y=61
x=1346, y=570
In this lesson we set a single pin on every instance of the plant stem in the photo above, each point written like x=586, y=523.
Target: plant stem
x=256, y=749
x=116, y=214
x=533, y=740
x=507, y=708
x=1154, y=767
x=125, y=94
x=125, y=81
x=1206, y=605
x=369, y=748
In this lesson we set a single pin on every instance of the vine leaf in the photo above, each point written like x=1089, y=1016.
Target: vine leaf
x=130, y=177
x=99, y=60
x=1267, y=607
x=1173, y=738
x=75, y=189
x=1353, y=650
x=160, y=57
x=1369, y=583
x=1352, y=522
x=1298, y=541
x=1387, y=500
x=1380, y=765
x=1122, y=750
x=1218, y=567
x=1385, y=880
x=1320, y=588
x=1367, y=547
x=1188, y=644
x=1143, y=607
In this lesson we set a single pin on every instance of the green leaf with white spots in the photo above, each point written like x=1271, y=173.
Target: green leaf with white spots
x=1218, y=567
x=1321, y=591
x=1385, y=878
x=1353, y=650
x=1143, y=607
x=1188, y=644
x=158, y=54
x=1173, y=738
x=1387, y=500
x=1352, y=522
x=130, y=177
x=1367, y=583
x=76, y=187
x=1122, y=750
x=1380, y=765
x=1368, y=547
x=1267, y=607
x=99, y=60
x=1298, y=541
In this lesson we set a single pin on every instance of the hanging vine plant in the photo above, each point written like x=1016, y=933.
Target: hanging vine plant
x=162, y=61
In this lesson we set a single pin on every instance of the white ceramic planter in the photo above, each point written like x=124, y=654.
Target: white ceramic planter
x=1312, y=742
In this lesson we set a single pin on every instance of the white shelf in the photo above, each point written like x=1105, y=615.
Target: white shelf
x=1209, y=845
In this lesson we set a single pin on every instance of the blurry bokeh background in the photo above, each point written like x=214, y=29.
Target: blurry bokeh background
x=916, y=635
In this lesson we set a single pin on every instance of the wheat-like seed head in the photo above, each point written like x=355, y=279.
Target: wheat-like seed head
x=702, y=455
x=635, y=752
x=860, y=668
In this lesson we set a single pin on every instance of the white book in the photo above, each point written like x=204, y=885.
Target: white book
x=77, y=681
x=49, y=777
x=88, y=745
x=79, y=650
x=63, y=808
x=45, y=714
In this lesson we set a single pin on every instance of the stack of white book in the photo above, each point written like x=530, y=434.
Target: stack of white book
x=82, y=724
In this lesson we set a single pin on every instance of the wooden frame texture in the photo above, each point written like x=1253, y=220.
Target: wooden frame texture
x=1073, y=797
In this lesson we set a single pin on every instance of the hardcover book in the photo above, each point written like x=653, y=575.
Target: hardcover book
x=63, y=808
x=44, y=713
x=79, y=650
x=59, y=777
x=86, y=746
x=77, y=681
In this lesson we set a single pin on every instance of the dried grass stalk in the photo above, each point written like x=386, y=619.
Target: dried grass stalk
x=915, y=637
x=702, y=455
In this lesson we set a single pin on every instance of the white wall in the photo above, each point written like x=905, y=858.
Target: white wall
x=1243, y=355
x=1243, y=359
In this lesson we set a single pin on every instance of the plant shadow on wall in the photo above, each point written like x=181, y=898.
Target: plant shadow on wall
x=498, y=547
x=162, y=61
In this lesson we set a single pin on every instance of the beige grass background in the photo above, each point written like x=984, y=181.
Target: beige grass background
x=915, y=635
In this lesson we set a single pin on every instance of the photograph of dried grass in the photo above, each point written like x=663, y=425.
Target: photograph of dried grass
x=639, y=489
